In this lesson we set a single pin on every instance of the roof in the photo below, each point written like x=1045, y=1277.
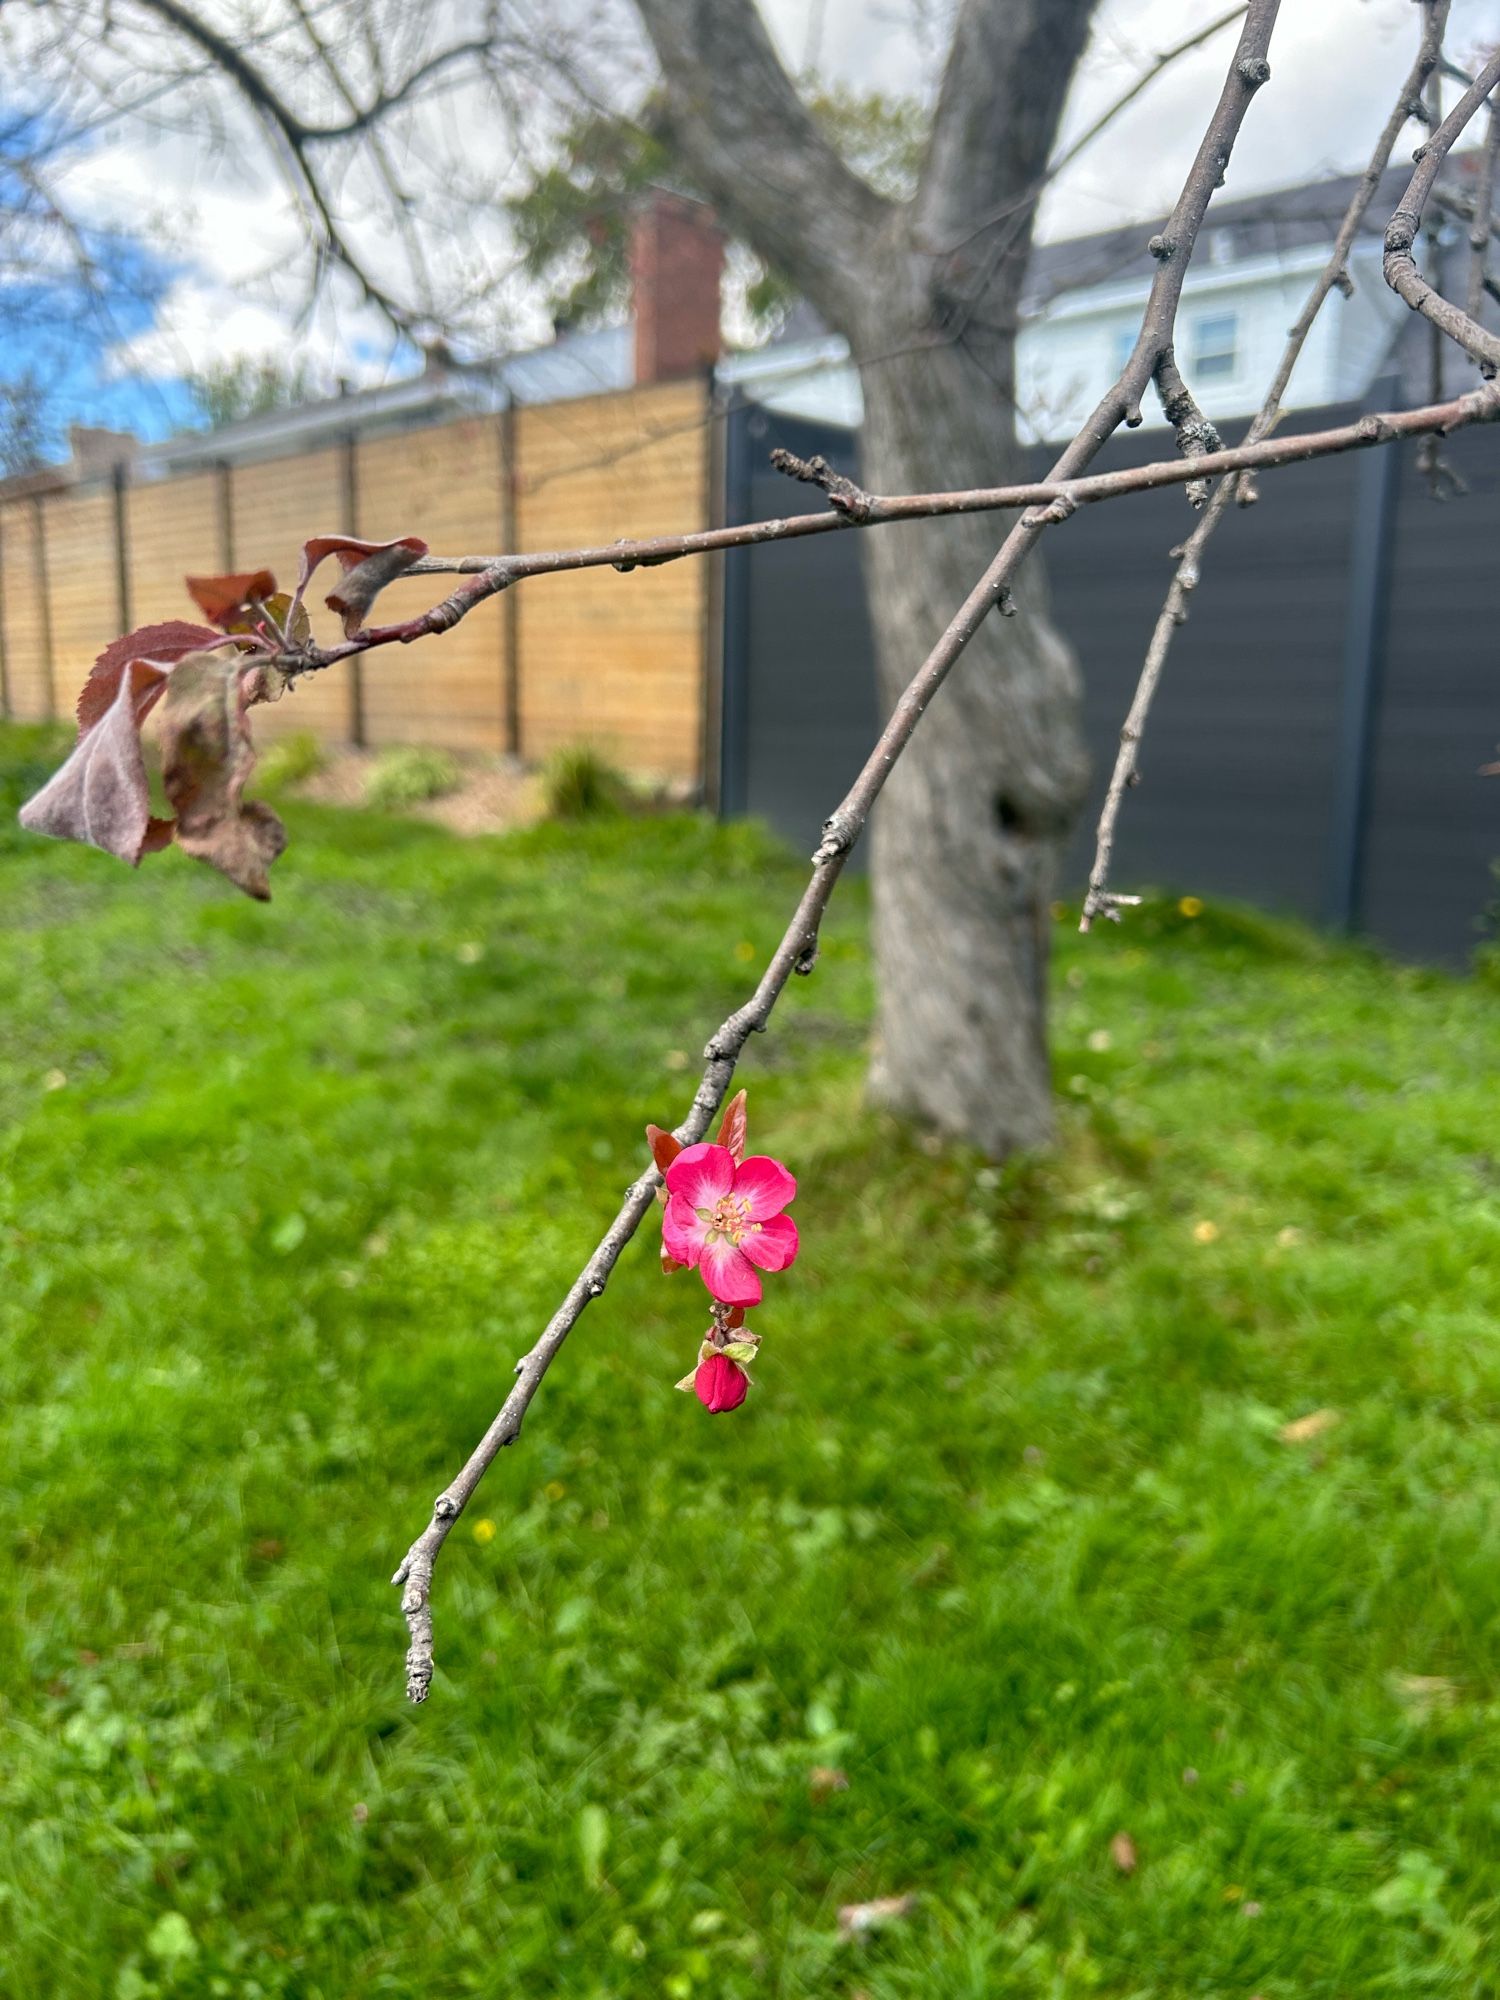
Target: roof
x=1258, y=225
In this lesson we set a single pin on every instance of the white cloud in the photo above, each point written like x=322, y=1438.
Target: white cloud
x=208, y=188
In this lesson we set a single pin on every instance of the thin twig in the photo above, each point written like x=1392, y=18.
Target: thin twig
x=487, y=575
x=1401, y=272
x=1098, y=901
x=1484, y=200
x=1248, y=71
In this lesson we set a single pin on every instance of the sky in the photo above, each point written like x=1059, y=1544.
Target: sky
x=232, y=272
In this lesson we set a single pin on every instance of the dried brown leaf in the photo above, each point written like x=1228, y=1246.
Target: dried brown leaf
x=1122, y=1853
x=207, y=756
x=823, y=1780
x=368, y=567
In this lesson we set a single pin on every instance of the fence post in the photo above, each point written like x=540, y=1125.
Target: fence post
x=354, y=666
x=44, y=602
x=710, y=760
x=510, y=603
x=122, y=547
x=1377, y=480
x=226, y=514
x=734, y=671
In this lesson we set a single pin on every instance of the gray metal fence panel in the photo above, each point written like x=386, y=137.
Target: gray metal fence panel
x=1316, y=740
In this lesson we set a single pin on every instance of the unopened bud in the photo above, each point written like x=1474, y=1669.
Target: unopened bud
x=720, y=1384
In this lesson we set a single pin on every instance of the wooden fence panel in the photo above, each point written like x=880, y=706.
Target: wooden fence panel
x=172, y=530
x=605, y=659
x=443, y=484
x=82, y=586
x=28, y=670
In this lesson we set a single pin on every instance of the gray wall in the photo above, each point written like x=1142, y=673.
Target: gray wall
x=1316, y=742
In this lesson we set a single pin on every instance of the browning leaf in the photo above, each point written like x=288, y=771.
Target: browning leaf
x=165, y=642
x=228, y=600
x=664, y=1148
x=732, y=1131
x=101, y=795
x=207, y=755
x=368, y=567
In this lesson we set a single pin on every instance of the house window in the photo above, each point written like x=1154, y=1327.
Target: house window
x=1122, y=346
x=1215, y=346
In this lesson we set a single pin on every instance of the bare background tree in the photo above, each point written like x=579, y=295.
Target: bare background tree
x=925, y=284
x=207, y=690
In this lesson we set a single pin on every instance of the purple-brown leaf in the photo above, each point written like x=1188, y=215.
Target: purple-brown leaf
x=207, y=756
x=368, y=567
x=230, y=601
x=101, y=794
x=164, y=643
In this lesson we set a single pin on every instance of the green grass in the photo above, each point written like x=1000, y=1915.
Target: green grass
x=1006, y=1531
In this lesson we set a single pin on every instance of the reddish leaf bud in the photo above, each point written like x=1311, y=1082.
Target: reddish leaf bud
x=720, y=1384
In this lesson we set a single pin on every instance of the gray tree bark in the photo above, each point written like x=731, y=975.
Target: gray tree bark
x=968, y=835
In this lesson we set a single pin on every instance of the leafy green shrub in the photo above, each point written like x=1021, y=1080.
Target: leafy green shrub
x=409, y=777
x=579, y=782
x=291, y=761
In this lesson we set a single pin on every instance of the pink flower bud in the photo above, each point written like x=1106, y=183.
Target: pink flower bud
x=720, y=1384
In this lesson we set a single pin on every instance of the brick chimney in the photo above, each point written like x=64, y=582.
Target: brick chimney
x=676, y=263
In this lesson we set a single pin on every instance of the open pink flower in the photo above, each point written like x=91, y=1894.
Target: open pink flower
x=720, y=1384
x=725, y=1219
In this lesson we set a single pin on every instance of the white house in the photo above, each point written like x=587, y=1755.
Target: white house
x=1082, y=309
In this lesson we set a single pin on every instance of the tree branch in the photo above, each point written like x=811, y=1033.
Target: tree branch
x=756, y=149
x=797, y=949
x=1401, y=272
x=997, y=112
x=1098, y=901
x=852, y=507
x=1483, y=220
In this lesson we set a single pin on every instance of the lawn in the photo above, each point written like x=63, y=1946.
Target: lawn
x=1010, y=1533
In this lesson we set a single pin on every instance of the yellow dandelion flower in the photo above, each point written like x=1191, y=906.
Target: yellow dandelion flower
x=484, y=1531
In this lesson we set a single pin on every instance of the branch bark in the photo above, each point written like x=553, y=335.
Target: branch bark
x=796, y=952
x=771, y=173
x=1098, y=900
x=1401, y=272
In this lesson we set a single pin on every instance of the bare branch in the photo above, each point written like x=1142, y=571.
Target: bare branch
x=1098, y=901
x=1483, y=219
x=851, y=507
x=797, y=948
x=1401, y=272
x=754, y=145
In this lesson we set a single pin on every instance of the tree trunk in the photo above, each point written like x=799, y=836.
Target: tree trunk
x=969, y=830
x=968, y=834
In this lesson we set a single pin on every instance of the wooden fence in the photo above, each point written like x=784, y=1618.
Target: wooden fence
x=592, y=657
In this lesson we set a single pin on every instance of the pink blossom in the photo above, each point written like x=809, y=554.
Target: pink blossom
x=720, y=1384
x=725, y=1218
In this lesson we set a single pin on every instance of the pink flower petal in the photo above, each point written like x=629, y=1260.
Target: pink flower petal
x=683, y=1230
x=701, y=1174
x=773, y=1245
x=765, y=1184
x=727, y=1274
x=720, y=1384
